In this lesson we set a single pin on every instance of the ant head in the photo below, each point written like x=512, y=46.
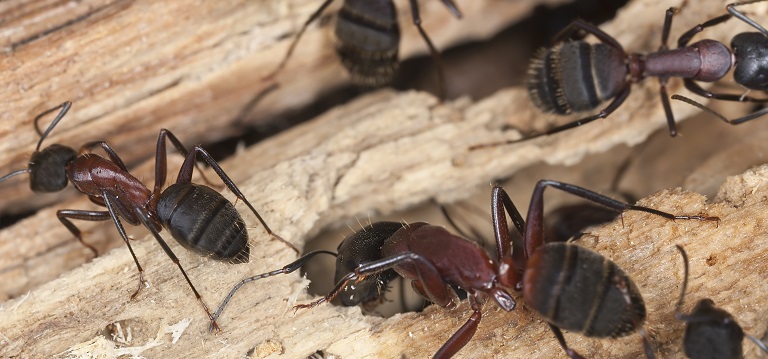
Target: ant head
x=361, y=247
x=751, y=51
x=713, y=331
x=47, y=168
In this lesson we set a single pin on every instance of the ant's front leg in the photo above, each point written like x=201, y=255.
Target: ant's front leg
x=65, y=215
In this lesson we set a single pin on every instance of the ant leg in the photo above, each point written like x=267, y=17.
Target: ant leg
x=432, y=50
x=617, y=101
x=590, y=29
x=418, y=287
x=295, y=41
x=145, y=221
x=667, y=27
x=462, y=336
x=735, y=121
x=667, y=107
x=64, y=109
x=738, y=14
x=185, y=176
x=436, y=289
x=290, y=268
x=94, y=216
x=695, y=88
x=561, y=339
x=501, y=205
x=161, y=164
x=686, y=37
x=65, y=214
x=535, y=220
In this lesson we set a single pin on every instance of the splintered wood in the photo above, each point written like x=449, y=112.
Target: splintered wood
x=379, y=153
x=727, y=265
x=132, y=67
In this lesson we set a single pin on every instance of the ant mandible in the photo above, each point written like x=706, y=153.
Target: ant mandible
x=575, y=76
x=750, y=65
x=710, y=332
x=434, y=259
x=368, y=38
x=181, y=208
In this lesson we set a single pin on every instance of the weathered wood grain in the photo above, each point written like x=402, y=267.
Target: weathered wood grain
x=380, y=153
x=132, y=67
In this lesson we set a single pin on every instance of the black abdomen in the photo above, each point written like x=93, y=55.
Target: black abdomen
x=576, y=289
x=575, y=76
x=202, y=220
x=368, y=37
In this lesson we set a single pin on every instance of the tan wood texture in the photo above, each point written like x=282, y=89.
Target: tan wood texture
x=379, y=153
x=132, y=67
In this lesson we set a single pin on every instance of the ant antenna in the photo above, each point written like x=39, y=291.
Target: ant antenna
x=685, y=280
x=64, y=109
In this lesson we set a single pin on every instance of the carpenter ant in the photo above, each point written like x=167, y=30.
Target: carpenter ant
x=434, y=259
x=361, y=247
x=750, y=65
x=710, y=332
x=576, y=76
x=368, y=37
x=198, y=217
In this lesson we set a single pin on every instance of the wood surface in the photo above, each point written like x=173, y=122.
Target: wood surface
x=379, y=153
x=132, y=67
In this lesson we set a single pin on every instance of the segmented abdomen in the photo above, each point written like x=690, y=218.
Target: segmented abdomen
x=577, y=289
x=202, y=220
x=575, y=76
x=368, y=38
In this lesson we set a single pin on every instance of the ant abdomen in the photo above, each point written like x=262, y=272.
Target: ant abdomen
x=47, y=168
x=368, y=37
x=554, y=285
x=575, y=76
x=202, y=220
